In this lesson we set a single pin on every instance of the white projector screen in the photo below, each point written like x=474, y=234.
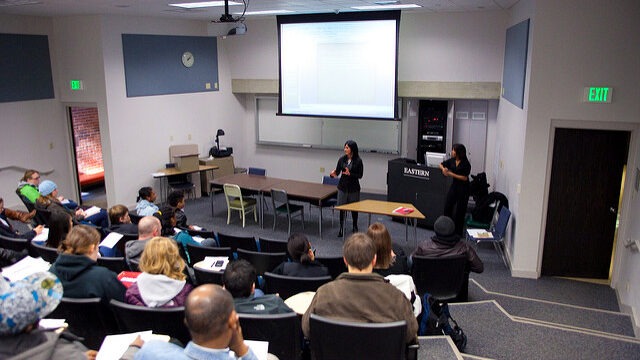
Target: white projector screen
x=339, y=65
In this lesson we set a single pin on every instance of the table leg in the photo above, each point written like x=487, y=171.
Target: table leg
x=320, y=223
x=261, y=210
x=406, y=230
x=369, y=220
x=415, y=231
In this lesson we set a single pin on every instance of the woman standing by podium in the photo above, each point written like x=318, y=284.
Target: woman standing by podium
x=458, y=167
x=351, y=167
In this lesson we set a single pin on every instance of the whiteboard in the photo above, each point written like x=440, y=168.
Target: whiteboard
x=325, y=133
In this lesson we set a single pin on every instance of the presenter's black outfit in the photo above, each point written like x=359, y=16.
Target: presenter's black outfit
x=349, y=186
x=455, y=205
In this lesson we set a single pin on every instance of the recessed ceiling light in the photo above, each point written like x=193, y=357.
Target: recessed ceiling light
x=265, y=12
x=195, y=5
x=387, y=2
x=386, y=7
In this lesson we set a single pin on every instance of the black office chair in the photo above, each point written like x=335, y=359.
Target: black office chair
x=204, y=276
x=135, y=218
x=42, y=217
x=182, y=184
x=281, y=204
x=120, y=245
x=134, y=265
x=442, y=277
x=88, y=318
x=257, y=171
x=332, y=201
x=336, y=339
x=272, y=245
x=202, y=233
x=235, y=242
x=165, y=321
x=198, y=253
x=335, y=264
x=287, y=286
x=262, y=261
x=282, y=331
x=15, y=244
x=115, y=264
x=48, y=254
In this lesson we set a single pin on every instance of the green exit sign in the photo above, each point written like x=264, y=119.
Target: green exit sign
x=597, y=94
x=75, y=84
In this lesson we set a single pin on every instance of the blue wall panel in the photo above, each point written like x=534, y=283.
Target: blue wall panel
x=153, y=64
x=25, y=68
x=515, y=63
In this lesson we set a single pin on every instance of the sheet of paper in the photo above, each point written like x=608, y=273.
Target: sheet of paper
x=91, y=211
x=196, y=227
x=217, y=263
x=52, y=323
x=24, y=268
x=44, y=235
x=199, y=239
x=111, y=240
x=113, y=346
x=480, y=233
x=259, y=348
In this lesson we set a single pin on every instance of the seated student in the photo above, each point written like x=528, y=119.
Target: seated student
x=183, y=238
x=148, y=227
x=447, y=243
x=176, y=201
x=48, y=200
x=60, y=223
x=145, y=205
x=303, y=256
x=239, y=279
x=394, y=268
x=214, y=327
x=78, y=271
x=120, y=220
x=22, y=304
x=6, y=229
x=361, y=295
x=390, y=257
x=162, y=282
x=28, y=190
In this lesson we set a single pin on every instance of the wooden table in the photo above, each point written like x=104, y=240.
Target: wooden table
x=310, y=192
x=386, y=208
x=296, y=190
x=163, y=174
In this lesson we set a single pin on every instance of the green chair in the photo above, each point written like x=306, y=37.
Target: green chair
x=233, y=195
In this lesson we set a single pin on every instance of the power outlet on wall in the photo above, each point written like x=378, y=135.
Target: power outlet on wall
x=321, y=169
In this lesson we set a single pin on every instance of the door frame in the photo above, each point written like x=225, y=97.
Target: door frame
x=629, y=182
x=72, y=143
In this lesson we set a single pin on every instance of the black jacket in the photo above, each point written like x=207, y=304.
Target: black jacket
x=82, y=277
x=350, y=183
x=294, y=268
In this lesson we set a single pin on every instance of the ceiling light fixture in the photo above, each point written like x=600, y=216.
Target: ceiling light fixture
x=266, y=12
x=196, y=5
x=386, y=7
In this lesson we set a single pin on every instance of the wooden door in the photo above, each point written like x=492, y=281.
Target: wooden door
x=584, y=193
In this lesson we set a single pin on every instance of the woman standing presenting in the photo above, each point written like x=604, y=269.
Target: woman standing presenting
x=350, y=165
x=459, y=168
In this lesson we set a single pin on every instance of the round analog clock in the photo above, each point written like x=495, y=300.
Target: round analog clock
x=187, y=59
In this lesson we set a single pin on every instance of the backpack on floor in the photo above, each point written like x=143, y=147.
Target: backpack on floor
x=435, y=321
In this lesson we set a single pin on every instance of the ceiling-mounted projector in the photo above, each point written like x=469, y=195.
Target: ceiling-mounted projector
x=238, y=29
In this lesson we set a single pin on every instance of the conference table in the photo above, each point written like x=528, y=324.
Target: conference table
x=313, y=193
x=387, y=208
x=163, y=176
